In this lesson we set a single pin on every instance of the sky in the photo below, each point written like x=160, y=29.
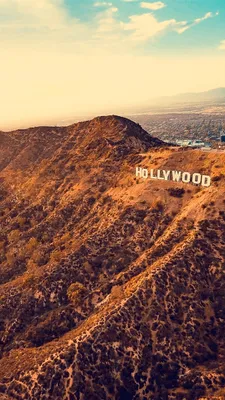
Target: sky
x=65, y=58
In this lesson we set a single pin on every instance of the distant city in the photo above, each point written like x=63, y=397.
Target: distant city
x=186, y=129
x=190, y=120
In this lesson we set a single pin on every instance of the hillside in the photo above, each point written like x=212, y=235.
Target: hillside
x=111, y=286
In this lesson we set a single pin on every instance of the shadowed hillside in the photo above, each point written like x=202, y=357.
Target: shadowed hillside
x=111, y=286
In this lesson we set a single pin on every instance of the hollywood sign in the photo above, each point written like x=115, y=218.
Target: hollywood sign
x=176, y=176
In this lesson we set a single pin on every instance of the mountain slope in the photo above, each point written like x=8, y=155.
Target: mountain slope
x=112, y=287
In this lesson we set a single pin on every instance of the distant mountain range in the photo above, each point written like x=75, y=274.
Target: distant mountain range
x=214, y=95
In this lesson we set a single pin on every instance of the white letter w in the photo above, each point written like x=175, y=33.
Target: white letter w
x=176, y=175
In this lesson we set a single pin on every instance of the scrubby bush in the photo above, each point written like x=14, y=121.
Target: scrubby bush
x=31, y=266
x=176, y=192
x=10, y=257
x=76, y=292
x=55, y=255
x=13, y=236
x=31, y=245
x=45, y=237
x=217, y=178
x=38, y=257
x=21, y=221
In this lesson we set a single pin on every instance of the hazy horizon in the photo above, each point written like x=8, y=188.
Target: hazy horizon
x=62, y=59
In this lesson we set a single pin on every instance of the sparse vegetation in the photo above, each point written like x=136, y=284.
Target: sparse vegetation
x=76, y=292
x=21, y=221
x=13, y=236
x=217, y=178
x=102, y=288
x=11, y=257
x=31, y=245
x=55, y=256
x=176, y=192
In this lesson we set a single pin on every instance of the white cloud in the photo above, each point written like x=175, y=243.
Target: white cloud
x=50, y=20
x=106, y=21
x=196, y=22
x=49, y=13
x=146, y=26
x=102, y=4
x=153, y=6
x=206, y=16
x=45, y=17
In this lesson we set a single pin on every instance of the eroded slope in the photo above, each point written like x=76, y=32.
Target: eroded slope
x=111, y=288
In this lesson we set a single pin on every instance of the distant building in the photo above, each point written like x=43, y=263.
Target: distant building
x=197, y=143
x=193, y=143
x=184, y=143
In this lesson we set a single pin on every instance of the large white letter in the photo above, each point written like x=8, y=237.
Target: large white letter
x=186, y=177
x=166, y=175
x=158, y=175
x=139, y=171
x=176, y=175
x=196, y=178
x=206, y=180
x=152, y=174
x=144, y=173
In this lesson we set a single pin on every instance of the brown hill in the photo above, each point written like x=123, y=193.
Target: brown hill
x=111, y=286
